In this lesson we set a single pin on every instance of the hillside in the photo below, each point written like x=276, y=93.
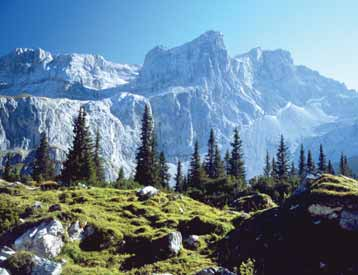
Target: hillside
x=122, y=232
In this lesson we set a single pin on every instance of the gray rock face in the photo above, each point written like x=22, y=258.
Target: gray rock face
x=174, y=243
x=147, y=192
x=45, y=240
x=43, y=266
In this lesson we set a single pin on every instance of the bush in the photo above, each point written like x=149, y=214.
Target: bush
x=9, y=215
x=248, y=267
x=126, y=184
x=20, y=263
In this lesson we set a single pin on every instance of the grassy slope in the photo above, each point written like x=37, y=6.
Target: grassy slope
x=122, y=212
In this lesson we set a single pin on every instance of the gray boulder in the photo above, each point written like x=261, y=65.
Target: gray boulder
x=3, y=271
x=215, y=271
x=43, y=266
x=45, y=240
x=76, y=232
x=147, y=192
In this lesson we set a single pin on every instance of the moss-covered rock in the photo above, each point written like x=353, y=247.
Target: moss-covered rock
x=253, y=203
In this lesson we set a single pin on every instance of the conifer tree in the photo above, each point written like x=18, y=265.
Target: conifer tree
x=227, y=162
x=282, y=160
x=293, y=171
x=310, y=166
x=343, y=166
x=267, y=168
x=195, y=171
x=330, y=169
x=210, y=156
x=273, y=169
x=322, y=162
x=146, y=168
x=179, y=178
x=98, y=160
x=302, y=163
x=348, y=171
x=7, y=168
x=237, y=165
x=219, y=169
x=43, y=166
x=79, y=165
x=121, y=175
x=163, y=172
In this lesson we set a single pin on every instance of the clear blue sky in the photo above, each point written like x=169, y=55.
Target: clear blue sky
x=322, y=34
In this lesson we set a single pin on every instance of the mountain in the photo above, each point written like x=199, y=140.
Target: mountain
x=190, y=89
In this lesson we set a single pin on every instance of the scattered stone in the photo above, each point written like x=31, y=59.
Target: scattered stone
x=77, y=233
x=324, y=211
x=3, y=271
x=349, y=220
x=147, y=192
x=37, y=205
x=55, y=207
x=192, y=242
x=215, y=271
x=43, y=266
x=5, y=253
x=45, y=240
x=167, y=246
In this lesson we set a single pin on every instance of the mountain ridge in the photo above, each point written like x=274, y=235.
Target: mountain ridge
x=193, y=87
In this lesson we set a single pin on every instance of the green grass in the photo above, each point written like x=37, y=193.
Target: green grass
x=121, y=213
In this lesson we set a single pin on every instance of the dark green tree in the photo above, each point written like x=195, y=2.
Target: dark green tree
x=195, y=171
x=79, y=165
x=268, y=167
x=273, y=169
x=322, y=162
x=330, y=169
x=227, y=162
x=310, y=166
x=344, y=166
x=146, y=165
x=43, y=166
x=7, y=168
x=121, y=175
x=293, y=170
x=163, y=175
x=282, y=160
x=219, y=169
x=98, y=160
x=302, y=163
x=179, y=178
x=210, y=156
x=237, y=165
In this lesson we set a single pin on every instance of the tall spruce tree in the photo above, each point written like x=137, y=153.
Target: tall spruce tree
x=268, y=167
x=210, y=156
x=146, y=166
x=322, y=162
x=98, y=160
x=310, y=166
x=293, y=170
x=219, y=169
x=344, y=166
x=79, y=165
x=302, y=163
x=273, y=169
x=282, y=160
x=163, y=172
x=237, y=165
x=330, y=169
x=179, y=178
x=7, y=169
x=195, y=171
x=43, y=166
x=227, y=162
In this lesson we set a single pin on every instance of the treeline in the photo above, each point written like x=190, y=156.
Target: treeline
x=215, y=180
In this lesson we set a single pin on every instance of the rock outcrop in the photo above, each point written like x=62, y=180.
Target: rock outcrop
x=45, y=240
